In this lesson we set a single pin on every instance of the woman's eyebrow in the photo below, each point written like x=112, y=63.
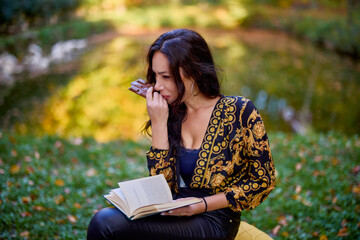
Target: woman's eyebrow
x=163, y=72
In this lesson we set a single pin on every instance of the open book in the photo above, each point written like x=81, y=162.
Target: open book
x=145, y=196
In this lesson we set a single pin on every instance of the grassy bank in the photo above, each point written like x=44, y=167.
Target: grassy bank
x=329, y=28
x=50, y=187
x=47, y=36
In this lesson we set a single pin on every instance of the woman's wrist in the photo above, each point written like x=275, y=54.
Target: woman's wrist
x=205, y=203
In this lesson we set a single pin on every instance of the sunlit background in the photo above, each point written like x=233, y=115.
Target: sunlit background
x=68, y=72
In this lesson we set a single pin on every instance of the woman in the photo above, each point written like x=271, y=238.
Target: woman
x=207, y=145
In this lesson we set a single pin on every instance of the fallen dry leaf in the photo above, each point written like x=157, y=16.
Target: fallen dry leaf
x=91, y=172
x=335, y=161
x=77, y=141
x=14, y=169
x=61, y=221
x=315, y=234
x=29, y=169
x=276, y=229
x=55, y=172
x=26, y=214
x=343, y=232
x=323, y=237
x=72, y=218
x=318, y=158
x=27, y=159
x=25, y=234
x=77, y=205
x=14, y=153
x=109, y=182
x=356, y=169
x=302, y=200
x=59, y=182
x=356, y=189
x=38, y=208
x=12, y=139
x=317, y=173
x=59, y=199
x=74, y=160
x=58, y=144
x=26, y=200
x=282, y=220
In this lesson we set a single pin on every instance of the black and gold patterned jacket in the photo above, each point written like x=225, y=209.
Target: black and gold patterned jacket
x=234, y=158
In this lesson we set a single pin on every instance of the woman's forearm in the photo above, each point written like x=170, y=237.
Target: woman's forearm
x=159, y=135
x=216, y=201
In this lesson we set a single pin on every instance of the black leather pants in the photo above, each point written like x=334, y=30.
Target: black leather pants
x=110, y=223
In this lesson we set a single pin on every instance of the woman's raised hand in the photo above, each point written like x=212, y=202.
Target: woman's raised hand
x=157, y=107
x=158, y=111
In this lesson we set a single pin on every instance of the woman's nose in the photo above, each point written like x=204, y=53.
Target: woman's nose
x=158, y=85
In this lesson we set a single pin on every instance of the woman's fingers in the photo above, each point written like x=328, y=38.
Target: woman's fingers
x=149, y=93
x=157, y=106
x=185, y=211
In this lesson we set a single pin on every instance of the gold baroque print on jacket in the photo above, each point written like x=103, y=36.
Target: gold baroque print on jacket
x=234, y=158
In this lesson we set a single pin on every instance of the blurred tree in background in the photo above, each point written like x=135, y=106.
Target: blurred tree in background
x=333, y=24
x=20, y=15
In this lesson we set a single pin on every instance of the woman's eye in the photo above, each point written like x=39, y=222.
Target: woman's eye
x=166, y=77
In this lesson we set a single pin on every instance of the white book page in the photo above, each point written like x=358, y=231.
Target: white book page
x=113, y=199
x=119, y=193
x=146, y=191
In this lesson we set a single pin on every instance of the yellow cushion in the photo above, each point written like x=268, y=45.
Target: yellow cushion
x=250, y=232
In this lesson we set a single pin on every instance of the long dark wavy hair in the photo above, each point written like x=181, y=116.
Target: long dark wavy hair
x=186, y=49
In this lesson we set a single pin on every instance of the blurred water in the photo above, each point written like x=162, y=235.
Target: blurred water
x=295, y=86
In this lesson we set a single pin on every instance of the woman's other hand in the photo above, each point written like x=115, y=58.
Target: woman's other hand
x=189, y=210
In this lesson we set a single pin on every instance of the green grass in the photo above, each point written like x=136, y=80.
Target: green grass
x=50, y=187
x=318, y=187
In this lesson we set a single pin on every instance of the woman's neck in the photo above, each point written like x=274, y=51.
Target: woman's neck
x=199, y=102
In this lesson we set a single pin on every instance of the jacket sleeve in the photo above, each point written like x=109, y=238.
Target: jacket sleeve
x=160, y=161
x=250, y=146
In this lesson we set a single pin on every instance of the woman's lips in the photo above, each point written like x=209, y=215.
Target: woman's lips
x=166, y=97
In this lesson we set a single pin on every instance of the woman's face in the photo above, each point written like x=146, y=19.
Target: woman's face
x=165, y=83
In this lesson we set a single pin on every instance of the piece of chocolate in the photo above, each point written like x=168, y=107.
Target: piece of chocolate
x=140, y=87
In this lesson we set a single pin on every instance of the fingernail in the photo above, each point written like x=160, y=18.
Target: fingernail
x=170, y=212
